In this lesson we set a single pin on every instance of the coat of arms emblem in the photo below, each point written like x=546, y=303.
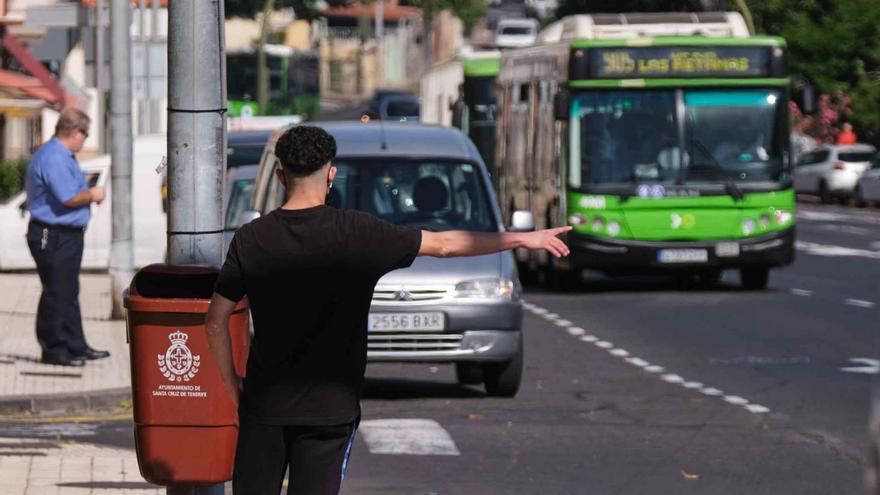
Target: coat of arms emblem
x=178, y=363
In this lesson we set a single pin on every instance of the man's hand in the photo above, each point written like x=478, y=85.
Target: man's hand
x=98, y=194
x=547, y=239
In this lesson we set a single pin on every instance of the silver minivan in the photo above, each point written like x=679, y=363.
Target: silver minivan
x=465, y=311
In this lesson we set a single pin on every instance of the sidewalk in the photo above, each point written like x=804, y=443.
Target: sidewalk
x=46, y=467
x=26, y=385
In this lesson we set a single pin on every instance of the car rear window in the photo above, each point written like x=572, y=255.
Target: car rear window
x=516, y=30
x=403, y=108
x=852, y=156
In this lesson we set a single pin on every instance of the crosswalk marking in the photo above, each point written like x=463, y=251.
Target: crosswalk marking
x=407, y=437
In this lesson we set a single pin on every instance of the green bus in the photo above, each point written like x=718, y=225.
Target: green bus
x=665, y=153
x=293, y=83
x=474, y=112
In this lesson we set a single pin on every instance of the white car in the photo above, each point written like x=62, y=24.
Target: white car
x=516, y=33
x=868, y=185
x=831, y=171
x=148, y=219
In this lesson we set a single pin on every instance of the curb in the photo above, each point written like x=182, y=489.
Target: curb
x=64, y=402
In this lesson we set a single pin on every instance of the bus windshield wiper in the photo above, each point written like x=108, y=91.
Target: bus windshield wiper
x=730, y=187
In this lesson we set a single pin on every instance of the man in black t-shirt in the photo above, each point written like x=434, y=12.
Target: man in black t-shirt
x=308, y=271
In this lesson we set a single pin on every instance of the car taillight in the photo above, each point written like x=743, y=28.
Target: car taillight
x=839, y=166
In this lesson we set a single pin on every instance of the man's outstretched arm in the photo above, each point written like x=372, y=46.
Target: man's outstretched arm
x=464, y=243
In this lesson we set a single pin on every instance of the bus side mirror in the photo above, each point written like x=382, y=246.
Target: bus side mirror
x=560, y=105
x=806, y=99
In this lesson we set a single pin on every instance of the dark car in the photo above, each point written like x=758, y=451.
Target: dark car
x=375, y=103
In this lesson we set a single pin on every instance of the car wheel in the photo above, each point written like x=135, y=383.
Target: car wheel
x=503, y=379
x=468, y=373
x=754, y=278
x=824, y=194
x=859, y=197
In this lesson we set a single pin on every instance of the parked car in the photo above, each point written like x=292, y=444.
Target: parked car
x=831, y=171
x=868, y=185
x=465, y=311
x=237, y=198
x=379, y=96
x=516, y=33
x=400, y=108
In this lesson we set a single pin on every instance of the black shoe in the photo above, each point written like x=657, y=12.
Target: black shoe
x=63, y=361
x=91, y=354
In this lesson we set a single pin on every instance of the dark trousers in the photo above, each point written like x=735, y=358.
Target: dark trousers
x=58, y=253
x=317, y=457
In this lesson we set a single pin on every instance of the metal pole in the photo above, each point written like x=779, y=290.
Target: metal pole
x=155, y=120
x=143, y=116
x=121, y=249
x=196, y=144
x=99, y=76
x=196, y=131
x=380, y=34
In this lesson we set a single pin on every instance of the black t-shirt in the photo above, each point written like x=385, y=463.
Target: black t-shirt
x=309, y=276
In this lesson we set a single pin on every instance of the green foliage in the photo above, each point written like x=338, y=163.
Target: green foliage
x=836, y=46
x=12, y=177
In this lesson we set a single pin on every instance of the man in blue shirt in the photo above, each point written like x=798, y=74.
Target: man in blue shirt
x=59, y=200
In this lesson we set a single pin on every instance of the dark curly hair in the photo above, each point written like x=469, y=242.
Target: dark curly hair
x=304, y=149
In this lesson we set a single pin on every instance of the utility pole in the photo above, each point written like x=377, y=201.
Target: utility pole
x=196, y=131
x=196, y=144
x=380, y=34
x=121, y=248
x=100, y=34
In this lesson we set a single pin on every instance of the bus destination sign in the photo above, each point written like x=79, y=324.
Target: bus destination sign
x=671, y=61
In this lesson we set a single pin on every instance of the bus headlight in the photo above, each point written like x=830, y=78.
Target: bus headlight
x=748, y=226
x=496, y=288
x=598, y=223
x=764, y=221
x=613, y=228
x=577, y=219
x=783, y=217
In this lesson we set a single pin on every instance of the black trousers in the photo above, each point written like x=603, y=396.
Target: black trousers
x=317, y=457
x=58, y=253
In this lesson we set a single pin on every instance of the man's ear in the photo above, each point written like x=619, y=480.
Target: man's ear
x=279, y=174
x=332, y=174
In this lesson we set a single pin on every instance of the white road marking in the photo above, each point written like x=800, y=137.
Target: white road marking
x=407, y=437
x=801, y=292
x=869, y=366
x=641, y=363
x=528, y=306
x=834, y=251
x=672, y=378
x=669, y=377
x=860, y=303
x=575, y=331
x=735, y=400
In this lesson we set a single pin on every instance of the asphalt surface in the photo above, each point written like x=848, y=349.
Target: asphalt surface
x=636, y=386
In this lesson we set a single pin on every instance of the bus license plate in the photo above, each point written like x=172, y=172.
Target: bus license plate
x=406, y=321
x=683, y=256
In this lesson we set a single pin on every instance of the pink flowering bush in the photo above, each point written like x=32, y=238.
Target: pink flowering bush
x=824, y=125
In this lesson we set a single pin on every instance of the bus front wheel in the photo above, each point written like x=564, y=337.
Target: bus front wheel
x=754, y=278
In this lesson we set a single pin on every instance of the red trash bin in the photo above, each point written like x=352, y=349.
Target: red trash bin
x=186, y=427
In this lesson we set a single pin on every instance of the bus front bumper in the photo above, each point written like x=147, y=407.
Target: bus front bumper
x=616, y=255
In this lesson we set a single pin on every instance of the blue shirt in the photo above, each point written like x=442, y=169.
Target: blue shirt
x=54, y=177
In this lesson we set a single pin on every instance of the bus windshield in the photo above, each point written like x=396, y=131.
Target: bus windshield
x=634, y=136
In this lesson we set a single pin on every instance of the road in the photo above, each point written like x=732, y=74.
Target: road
x=636, y=386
